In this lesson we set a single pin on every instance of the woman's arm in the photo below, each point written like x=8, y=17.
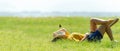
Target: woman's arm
x=86, y=35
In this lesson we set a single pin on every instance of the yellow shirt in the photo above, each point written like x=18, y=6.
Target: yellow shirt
x=75, y=36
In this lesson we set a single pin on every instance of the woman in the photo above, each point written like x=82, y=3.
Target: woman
x=96, y=34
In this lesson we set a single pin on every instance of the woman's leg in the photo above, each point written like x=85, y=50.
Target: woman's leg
x=94, y=22
x=106, y=28
x=112, y=22
x=109, y=33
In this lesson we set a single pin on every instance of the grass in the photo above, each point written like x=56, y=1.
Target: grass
x=35, y=34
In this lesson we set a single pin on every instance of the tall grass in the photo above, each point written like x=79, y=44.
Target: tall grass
x=35, y=34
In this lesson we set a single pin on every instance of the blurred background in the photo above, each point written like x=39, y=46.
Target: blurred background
x=60, y=8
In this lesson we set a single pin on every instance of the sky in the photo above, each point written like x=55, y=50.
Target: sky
x=60, y=5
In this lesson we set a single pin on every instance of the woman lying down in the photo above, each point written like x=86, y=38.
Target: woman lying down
x=96, y=34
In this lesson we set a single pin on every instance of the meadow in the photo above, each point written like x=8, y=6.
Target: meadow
x=35, y=34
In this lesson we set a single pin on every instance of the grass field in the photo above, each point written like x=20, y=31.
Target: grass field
x=35, y=34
